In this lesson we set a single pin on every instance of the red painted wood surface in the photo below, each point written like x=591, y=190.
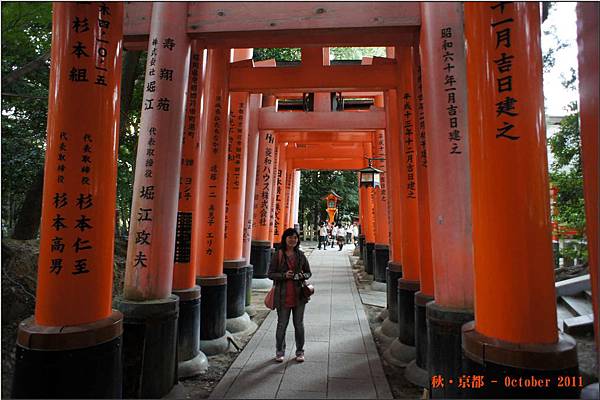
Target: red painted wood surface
x=589, y=59
x=448, y=157
x=213, y=166
x=289, y=193
x=279, y=24
x=408, y=162
x=151, y=246
x=324, y=150
x=75, y=266
x=279, y=223
x=323, y=137
x=512, y=246
x=255, y=102
x=264, y=178
x=184, y=269
x=393, y=135
x=382, y=232
x=315, y=78
x=421, y=137
x=250, y=16
x=321, y=121
x=328, y=163
x=276, y=159
x=238, y=129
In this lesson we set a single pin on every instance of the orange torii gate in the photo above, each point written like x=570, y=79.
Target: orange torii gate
x=73, y=315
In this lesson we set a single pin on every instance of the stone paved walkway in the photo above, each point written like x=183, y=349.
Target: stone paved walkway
x=341, y=358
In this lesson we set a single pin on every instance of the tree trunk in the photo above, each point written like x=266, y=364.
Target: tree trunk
x=28, y=219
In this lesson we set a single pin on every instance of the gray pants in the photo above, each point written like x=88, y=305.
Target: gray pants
x=283, y=319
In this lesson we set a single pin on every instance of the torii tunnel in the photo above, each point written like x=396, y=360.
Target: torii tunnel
x=460, y=228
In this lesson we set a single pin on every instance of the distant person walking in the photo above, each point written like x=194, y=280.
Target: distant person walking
x=348, y=234
x=288, y=268
x=323, y=236
x=334, y=231
x=355, y=233
x=341, y=237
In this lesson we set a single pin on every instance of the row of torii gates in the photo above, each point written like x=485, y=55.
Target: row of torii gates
x=460, y=225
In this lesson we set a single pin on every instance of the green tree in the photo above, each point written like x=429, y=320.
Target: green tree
x=132, y=89
x=26, y=37
x=317, y=184
x=356, y=53
x=566, y=174
x=279, y=54
x=337, y=53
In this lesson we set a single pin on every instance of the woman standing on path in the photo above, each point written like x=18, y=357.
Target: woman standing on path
x=288, y=269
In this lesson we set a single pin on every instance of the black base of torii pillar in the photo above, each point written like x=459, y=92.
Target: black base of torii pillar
x=368, y=257
x=149, y=346
x=260, y=258
x=82, y=361
x=444, y=350
x=535, y=371
x=213, y=315
x=381, y=257
x=237, y=318
x=190, y=360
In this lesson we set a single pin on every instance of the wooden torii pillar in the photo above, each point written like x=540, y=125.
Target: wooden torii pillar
x=273, y=194
x=71, y=347
x=381, y=254
x=211, y=213
x=260, y=255
x=416, y=371
x=147, y=300
x=254, y=106
x=588, y=20
x=389, y=327
x=235, y=266
x=279, y=224
x=512, y=248
x=450, y=206
x=402, y=350
x=289, y=189
x=191, y=361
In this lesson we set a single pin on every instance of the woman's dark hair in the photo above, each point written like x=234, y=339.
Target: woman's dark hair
x=287, y=233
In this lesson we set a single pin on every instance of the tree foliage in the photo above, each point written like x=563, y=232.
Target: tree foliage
x=26, y=38
x=566, y=173
x=336, y=53
x=356, y=53
x=317, y=184
x=279, y=54
x=132, y=88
